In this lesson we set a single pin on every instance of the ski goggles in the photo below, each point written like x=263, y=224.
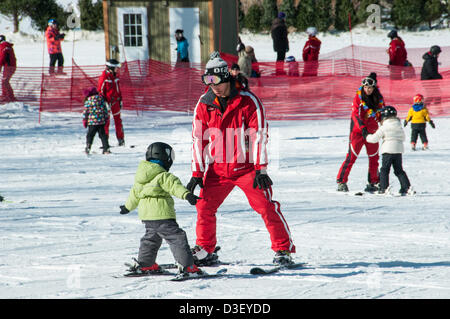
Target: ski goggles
x=209, y=79
x=369, y=82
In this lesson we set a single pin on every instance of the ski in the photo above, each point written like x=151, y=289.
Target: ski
x=261, y=271
x=161, y=272
x=204, y=275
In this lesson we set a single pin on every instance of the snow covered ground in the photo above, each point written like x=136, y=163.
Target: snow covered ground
x=62, y=236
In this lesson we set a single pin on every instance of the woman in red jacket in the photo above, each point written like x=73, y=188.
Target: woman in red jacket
x=367, y=103
x=311, y=52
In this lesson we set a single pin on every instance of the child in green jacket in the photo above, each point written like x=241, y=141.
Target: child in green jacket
x=152, y=194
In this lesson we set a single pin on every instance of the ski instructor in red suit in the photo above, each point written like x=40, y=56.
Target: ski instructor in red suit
x=109, y=88
x=366, y=107
x=230, y=129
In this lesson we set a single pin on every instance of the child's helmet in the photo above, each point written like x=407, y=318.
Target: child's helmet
x=418, y=99
x=162, y=152
x=312, y=31
x=388, y=111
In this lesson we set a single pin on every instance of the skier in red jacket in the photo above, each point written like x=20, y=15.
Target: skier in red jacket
x=311, y=52
x=230, y=134
x=8, y=66
x=365, y=116
x=109, y=88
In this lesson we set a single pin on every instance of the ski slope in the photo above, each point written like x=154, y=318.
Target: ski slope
x=62, y=235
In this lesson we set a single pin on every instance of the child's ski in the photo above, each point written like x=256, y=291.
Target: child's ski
x=261, y=271
x=204, y=275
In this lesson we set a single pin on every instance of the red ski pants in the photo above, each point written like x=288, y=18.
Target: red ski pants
x=355, y=146
x=115, y=110
x=217, y=188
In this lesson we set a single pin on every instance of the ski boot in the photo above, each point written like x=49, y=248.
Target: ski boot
x=425, y=146
x=87, y=149
x=342, y=187
x=189, y=271
x=282, y=258
x=408, y=191
x=121, y=142
x=106, y=151
x=138, y=269
x=413, y=146
x=371, y=188
x=203, y=258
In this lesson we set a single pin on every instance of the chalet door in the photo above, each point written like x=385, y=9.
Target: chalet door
x=188, y=20
x=132, y=33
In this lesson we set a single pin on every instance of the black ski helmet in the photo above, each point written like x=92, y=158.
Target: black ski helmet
x=388, y=111
x=392, y=34
x=162, y=152
x=435, y=50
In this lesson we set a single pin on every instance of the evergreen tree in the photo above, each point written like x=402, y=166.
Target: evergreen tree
x=253, y=18
x=91, y=15
x=16, y=10
x=343, y=9
x=323, y=15
x=407, y=13
x=288, y=7
x=306, y=15
x=433, y=10
x=270, y=13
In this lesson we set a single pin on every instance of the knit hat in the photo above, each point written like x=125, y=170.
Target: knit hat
x=90, y=91
x=2, y=38
x=249, y=49
x=235, y=66
x=217, y=66
x=113, y=63
x=290, y=58
x=371, y=80
x=281, y=15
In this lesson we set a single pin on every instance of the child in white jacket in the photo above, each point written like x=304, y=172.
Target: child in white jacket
x=391, y=131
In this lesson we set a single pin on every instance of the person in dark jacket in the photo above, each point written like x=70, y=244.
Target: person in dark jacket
x=280, y=40
x=430, y=64
x=8, y=65
x=182, y=46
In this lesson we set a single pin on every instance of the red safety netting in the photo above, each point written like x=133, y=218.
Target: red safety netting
x=286, y=94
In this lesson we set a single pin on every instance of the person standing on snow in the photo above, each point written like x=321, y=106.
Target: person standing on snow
x=109, y=88
x=418, y=116
x=152, y=194
x=279, y=35
x=225, y=114
x=431, y=65
x=367, y=103
x=95, y=115
x=8, y=66
x=311, y=52
x=391, y=132
x=54, y=39
x=397, y=55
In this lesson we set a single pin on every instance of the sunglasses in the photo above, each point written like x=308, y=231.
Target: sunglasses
x=209, y=79
x=369, y=82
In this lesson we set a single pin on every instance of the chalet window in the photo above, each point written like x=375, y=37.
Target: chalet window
x=132, y=25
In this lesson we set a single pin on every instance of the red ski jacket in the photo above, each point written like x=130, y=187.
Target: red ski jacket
x=7, y=56
x=108, y=86
x=53, y=44
x=397, y=52
x=234, y=141
x=311, y=49
x=363, y=116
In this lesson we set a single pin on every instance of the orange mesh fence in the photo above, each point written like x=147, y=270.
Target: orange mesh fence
x=285, y=92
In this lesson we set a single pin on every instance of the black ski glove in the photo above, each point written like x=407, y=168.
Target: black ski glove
x=262, y=180
x=405, y=122
x=123, y=210
x=192, y=199
x=193, y=183
x=432, y=124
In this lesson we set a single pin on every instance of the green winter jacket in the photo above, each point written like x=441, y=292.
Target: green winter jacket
x=152, y=192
